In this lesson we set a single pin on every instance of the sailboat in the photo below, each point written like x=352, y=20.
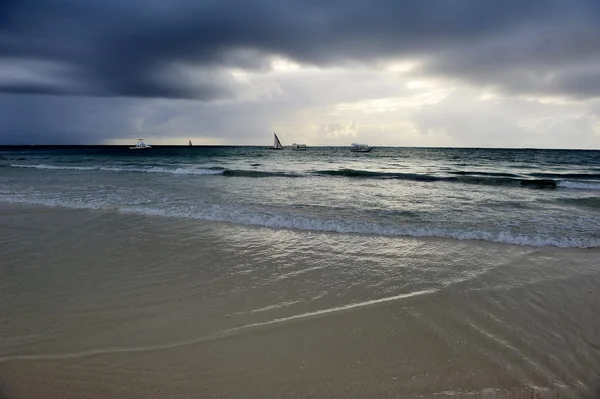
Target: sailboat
x=190, y=142
x=276, y=144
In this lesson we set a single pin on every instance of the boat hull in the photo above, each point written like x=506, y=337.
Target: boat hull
x=140, y=148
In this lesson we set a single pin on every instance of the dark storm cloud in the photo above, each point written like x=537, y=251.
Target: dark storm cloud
x=133, y=47
x=54, y=119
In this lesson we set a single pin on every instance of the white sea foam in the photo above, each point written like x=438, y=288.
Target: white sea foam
x=579, y=185
x=53, y=202
x=336, y=309
x=54, y=167
x=217, y=213
x=187, y=171
x=274, y=307
x=155, y=169
x=175, y=171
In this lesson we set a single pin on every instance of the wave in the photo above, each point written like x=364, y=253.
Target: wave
x=245, y=217
x=54, y=167
x=377, y=175
x=465, y=177
x=153, y=169
x=583, y=176
x=476, y=173
x=589, y=202
x=214, y=170
x=256, y=173
x=542, y=183
x=483, y=180
x=175, y=171
x=579, y=185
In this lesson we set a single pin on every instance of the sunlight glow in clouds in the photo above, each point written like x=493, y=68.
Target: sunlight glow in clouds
x=284, y=65
x=391, y=104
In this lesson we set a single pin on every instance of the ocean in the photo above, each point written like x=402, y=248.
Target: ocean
x=524, y=197
x=229, y=272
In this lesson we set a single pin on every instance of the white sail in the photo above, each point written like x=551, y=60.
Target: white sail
x=277, y=143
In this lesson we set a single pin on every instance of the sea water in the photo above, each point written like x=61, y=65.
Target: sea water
x=529, y=197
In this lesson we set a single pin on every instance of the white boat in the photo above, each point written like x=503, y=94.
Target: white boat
x=276, y=144
x=355, y=147
x=140, y=145
x=299, y=147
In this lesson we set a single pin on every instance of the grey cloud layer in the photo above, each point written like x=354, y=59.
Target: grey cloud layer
x=146, y=48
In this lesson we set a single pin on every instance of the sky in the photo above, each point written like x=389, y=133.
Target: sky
x=465, y=73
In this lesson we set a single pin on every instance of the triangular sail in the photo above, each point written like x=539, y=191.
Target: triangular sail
x=277, y=143
x=190, y=142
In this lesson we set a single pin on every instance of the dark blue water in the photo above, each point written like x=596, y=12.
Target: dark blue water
x=526, y=197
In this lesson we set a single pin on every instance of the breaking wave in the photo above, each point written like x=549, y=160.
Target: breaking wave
x=162, y=169
x=152, y=169
x=54, y=167
x=246, y=217
x=256, y=173
x=175, y=171
x=477, y=173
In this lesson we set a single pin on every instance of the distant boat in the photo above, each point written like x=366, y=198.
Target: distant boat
x=354, y=147
x=299, y=147
x=190, y=143
x=276, y=144
x=140, y=145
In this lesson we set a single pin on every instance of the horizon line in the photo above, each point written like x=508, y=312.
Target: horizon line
x=265, y=146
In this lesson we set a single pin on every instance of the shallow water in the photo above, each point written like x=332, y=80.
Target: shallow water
x=97, y=304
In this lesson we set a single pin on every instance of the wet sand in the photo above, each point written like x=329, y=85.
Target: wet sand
x=100, y=304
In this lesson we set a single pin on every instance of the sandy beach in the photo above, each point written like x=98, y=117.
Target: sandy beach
x=99, y=304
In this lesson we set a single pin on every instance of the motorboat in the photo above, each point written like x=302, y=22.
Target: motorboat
x=355, y=147
x=299, y=147
x=141, y=145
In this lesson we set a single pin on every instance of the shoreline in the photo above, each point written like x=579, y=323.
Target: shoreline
x=104, y=304
x=38, y=207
